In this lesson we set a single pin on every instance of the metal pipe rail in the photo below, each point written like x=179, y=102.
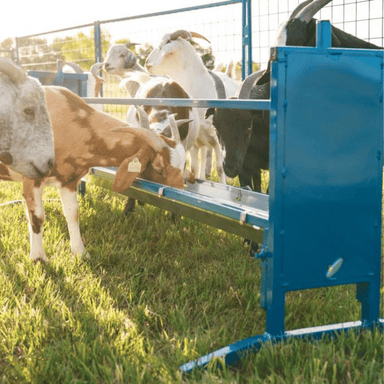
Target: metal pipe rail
x=195, y=103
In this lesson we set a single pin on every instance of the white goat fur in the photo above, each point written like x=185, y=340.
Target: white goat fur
x=178, y=60
x=26, y=140
x=83, y=138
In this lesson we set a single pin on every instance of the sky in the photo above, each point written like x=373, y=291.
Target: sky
x=23, y=18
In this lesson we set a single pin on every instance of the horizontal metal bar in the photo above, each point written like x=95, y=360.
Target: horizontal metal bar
x=196, y=103
x=169, y=12
x=234, y=352
x=163, y=13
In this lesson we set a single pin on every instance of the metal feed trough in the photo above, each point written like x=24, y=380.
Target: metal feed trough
x=320, y=226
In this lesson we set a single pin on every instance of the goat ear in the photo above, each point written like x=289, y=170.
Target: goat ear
x=183, y=130
x=189, y=177
x=130, y=60
x=209, y=112
x=129, y=170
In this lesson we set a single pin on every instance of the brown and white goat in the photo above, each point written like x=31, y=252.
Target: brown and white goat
x=83, y=138
x=156, y=118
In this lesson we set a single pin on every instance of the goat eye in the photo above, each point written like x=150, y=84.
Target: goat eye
x=30, y=111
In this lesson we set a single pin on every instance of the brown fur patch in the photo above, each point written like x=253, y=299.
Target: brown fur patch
x=36, y=222
x=82, y=111
x=4, y=173
x=169, y=90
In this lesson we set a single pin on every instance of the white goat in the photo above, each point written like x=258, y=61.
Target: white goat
x=83, y=138
x=121, y=60
x=26, y=141
x=176, y=58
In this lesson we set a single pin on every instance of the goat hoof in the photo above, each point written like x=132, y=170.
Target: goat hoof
x=40, y=260
x=175, y=218
x=254, y=247
x=129, y=206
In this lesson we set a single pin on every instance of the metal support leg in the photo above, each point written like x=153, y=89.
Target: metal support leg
x=369, y=296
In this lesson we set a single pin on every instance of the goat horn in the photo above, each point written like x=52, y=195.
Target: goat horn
x=143, y=117
x=129, y=45
x=16, y=74
x=299, y=8
x=74, y=66
x=219, y=85
x=95, y=69
x=174, y=129
x=186, y=35
x=311, y=9
x=194, y=34
x=180, y=33
x=183, y=121
x=247, y=85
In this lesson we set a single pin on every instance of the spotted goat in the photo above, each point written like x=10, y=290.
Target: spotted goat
x=84, y=138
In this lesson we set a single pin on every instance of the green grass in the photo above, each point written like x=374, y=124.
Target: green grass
x=155, y=294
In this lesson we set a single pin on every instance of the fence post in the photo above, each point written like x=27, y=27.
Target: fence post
x=16, y=58
x=247, y=39
x=97, y=38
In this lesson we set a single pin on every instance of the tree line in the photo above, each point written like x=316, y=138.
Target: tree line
x=38, y=53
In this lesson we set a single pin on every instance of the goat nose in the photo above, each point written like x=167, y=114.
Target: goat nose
x=6, y=158
x=106, y=65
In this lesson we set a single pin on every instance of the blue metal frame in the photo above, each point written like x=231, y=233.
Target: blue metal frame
x=76, y=82
x=246, y=68
x=324, y=229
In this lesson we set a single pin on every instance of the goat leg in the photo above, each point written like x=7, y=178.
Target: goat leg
x=32, y=192
x=71, y=211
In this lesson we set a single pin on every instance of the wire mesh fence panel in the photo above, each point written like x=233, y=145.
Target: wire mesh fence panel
x=222, y=25
x=8, y=54
x=41, y=52
x=361, y=18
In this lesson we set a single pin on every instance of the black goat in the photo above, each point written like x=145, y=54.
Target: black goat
x=245, y=134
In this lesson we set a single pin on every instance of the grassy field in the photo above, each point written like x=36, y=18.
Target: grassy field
x=154, y=294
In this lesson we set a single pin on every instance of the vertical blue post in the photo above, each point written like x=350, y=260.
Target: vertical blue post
x=97, y=38
x=247, y=39
x=98, y=50
x=324, y=34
